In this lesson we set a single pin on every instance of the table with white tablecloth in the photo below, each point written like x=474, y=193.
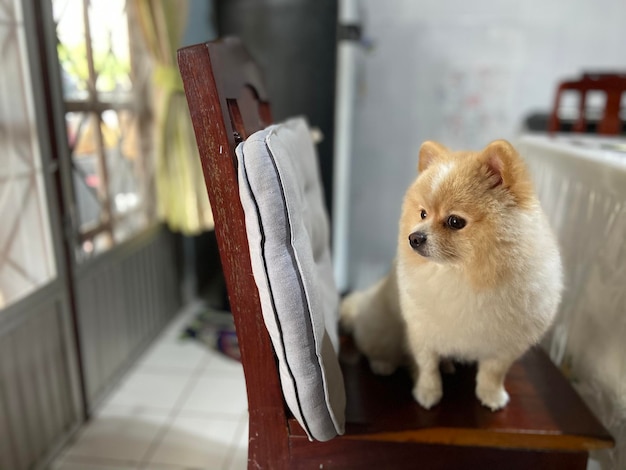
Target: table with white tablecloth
x=581, y=182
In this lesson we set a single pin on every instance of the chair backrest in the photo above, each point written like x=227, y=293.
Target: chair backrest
x=612, y=85
x=228, y=102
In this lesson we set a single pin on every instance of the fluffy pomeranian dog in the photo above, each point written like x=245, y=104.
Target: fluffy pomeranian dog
x=477, y=276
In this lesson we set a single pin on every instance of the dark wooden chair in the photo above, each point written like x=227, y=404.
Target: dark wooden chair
x=546, y=425
x=612, y=85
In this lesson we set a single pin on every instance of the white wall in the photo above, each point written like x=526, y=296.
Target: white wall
x=463, y=73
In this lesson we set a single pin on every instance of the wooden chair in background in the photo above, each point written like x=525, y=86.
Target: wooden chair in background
x=612, y=85
x=546, y=425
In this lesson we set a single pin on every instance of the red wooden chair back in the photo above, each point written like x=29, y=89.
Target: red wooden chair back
x=612, y=85
x=228, y=102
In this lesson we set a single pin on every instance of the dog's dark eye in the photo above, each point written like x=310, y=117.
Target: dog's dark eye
x=423, y=214
x=455, y=222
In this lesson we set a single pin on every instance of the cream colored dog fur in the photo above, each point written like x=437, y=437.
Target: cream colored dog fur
x=477, y=276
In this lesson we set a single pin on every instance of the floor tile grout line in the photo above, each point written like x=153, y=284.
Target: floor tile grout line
x=219, y=415
x=64, y=456
x=115, y=408
x=81, y=459
x=207, y=367
x=189, y=413
x=234, y=445
x=222, y=375
x=164, y=370
x=158, y=438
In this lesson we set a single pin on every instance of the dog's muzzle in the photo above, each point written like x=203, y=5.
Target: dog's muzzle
x=417, y=240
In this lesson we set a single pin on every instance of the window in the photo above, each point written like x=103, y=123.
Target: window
x=26, y=254
x=105, y=75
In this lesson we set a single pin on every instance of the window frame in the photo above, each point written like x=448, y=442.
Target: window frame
x=138, y=101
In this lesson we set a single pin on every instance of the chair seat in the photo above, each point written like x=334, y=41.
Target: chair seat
x=544, y=412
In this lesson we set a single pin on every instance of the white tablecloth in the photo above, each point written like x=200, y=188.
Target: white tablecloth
x=581, y=182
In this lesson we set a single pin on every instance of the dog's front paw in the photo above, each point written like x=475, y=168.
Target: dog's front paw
x=380, y=367
x=427, y=395
x=493, y=398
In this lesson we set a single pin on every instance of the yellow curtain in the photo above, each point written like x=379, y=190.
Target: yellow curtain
x=181, y=194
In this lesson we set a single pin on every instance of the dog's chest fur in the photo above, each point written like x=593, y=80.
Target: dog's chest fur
x=446, y=314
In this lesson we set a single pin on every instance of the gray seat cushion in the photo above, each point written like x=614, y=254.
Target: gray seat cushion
x=288, y=235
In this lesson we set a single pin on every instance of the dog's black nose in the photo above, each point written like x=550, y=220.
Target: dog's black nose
x=417, y=238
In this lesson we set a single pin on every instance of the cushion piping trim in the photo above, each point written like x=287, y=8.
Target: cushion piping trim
x=269, y=286
x=303, y=292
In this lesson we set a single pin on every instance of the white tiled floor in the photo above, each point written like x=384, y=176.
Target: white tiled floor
x=182, y=407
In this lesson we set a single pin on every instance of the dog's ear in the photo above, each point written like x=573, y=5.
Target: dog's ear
x=429, y=152
x=505, y=168
x=500, y=158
